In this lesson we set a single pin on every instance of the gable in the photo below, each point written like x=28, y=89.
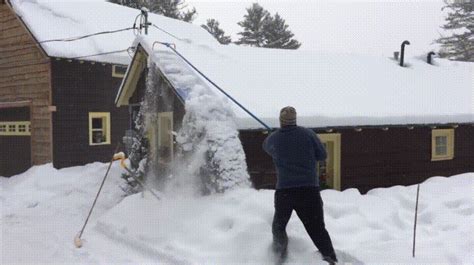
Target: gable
x=25, y=76
x=132, y=76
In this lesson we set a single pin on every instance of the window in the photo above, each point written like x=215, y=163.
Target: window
x=118, y=71
x=99, y=128
x=329, y=171
x=442, y=144
x=15, y=128
x=22, y=128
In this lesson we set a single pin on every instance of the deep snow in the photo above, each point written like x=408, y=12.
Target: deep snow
x=43, y=209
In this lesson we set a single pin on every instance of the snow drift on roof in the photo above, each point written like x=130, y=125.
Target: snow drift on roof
x=54, y=20
x=332, y=89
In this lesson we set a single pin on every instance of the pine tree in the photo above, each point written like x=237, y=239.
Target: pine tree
x=131, y=3
x=277, y=35
x=460, y=22
x=263, y=30
x=168, y=8
x=212, y=26
x=253, y=25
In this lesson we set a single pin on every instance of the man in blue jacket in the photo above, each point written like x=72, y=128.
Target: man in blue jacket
x=295, y=151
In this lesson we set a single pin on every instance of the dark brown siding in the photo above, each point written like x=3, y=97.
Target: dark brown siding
x=259, y=163
x=375, y=158
x=80, y=88
x=25, y=76
x=15, y=151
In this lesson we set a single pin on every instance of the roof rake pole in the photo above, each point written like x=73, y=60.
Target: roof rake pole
x=219, y=88
x=78, y=239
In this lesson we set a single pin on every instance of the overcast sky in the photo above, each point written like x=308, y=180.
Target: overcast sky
x=352, y=26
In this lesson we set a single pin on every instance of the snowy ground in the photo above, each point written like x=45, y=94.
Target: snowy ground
x=43, y=209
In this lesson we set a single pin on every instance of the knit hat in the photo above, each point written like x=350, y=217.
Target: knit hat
x=287, y=116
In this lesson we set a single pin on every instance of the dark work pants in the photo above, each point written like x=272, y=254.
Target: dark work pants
x=307, y=203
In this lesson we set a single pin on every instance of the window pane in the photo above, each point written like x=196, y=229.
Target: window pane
x=11, y=128
x=120, y=70
x=3, y=128
x=98, y=137
x=97, y=123
x=441, y=150
x=441, y=140
x=22, y=128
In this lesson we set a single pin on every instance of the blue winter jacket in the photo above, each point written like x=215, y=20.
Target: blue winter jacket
x=295, y=150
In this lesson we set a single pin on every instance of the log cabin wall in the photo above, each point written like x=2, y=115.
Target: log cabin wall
x=374, y=157
x=81, y=87
x=25, y=75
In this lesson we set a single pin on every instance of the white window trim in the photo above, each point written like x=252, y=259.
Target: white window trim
x=115, y=73
x=449, y=134
x=336, y=139
x=16, y=131
x=95, y=115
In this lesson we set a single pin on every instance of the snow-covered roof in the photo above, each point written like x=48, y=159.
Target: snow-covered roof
x=326, y=89
x=50, y=19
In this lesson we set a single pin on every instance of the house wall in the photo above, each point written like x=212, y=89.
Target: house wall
x=374, y=158
x=260, y=165
x=15, y=150
x=79, y=88
x=166, y=99
x=25, y=77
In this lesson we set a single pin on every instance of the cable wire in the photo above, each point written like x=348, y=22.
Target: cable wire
x=174, y=36
x=85, y=36
x=97, y=54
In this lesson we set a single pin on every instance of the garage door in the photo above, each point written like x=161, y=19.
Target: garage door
x=15, y=141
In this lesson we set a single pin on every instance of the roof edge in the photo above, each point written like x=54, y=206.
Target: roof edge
x=25, y=26
x=131, y=77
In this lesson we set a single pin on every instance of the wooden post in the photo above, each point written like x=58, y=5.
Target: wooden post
x=416, y=214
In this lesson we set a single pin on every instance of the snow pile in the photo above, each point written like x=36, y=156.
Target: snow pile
x=375, y=228
x=44, y=208
x=208, y=137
